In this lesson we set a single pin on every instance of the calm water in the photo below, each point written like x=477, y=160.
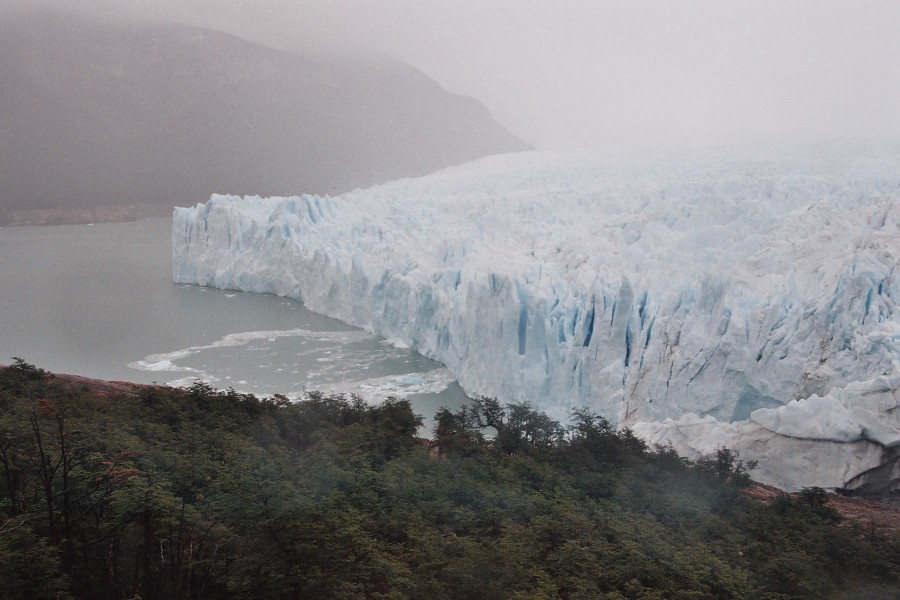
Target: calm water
x=98, y=300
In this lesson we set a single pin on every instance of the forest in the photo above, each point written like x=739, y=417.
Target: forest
x=121, y=491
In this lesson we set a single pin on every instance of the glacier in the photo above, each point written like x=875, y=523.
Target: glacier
x=747, y=299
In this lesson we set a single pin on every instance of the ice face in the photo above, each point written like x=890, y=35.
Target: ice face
x=713, y=290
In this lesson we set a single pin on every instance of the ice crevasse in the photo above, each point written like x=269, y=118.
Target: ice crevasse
x=748, y=300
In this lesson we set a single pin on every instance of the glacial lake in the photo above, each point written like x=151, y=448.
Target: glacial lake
x=98, y=301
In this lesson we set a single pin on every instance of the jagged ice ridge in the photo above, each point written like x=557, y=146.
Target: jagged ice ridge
x=748, y=301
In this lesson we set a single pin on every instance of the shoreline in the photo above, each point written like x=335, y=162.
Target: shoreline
x=83, y=216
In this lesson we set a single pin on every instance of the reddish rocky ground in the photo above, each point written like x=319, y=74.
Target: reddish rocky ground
x=97, y=387
x=882, y=516
x=863, y=512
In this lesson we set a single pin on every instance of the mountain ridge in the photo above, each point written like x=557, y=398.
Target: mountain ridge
x=162, y=114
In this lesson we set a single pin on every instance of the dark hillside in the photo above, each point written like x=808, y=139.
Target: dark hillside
x=112, y=490
x=101, y=115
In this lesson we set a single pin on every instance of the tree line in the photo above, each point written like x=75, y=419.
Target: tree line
x=154, y=492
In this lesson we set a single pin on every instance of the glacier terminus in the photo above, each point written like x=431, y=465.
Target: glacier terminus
x=744, y=299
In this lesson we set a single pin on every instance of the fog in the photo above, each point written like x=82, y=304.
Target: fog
x=603, y=73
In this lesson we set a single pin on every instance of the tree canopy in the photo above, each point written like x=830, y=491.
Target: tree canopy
x=154, y=492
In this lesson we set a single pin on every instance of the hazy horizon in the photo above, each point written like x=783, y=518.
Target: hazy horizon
x=602, y=73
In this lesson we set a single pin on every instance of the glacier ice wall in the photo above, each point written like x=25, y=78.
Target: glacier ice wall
x=675, y=295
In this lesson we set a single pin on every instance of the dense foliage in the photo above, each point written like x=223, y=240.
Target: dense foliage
x=154, y=492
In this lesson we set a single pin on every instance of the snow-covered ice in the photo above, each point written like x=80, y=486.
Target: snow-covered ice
x=748, y=299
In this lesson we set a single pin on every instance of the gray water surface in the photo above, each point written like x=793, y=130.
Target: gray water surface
x=98, y=300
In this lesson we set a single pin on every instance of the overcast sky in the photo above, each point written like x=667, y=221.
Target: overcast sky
x=592, y=72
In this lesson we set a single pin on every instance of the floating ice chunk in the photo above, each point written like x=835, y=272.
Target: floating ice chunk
x=159, y=365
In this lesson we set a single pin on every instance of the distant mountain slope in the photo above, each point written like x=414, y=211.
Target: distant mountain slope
x=94, y=114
